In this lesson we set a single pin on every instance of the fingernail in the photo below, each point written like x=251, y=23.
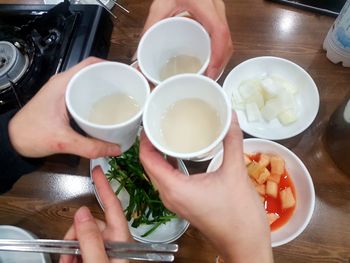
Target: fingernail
x=114, y=150
x=83, y=214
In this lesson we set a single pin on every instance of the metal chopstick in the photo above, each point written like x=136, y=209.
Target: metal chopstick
x=134, y=251
x=120, y=6
x=106, y=8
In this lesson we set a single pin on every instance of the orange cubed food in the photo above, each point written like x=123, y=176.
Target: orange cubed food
x=263, y=176
x=264, y=160
x=271, y=189
x=287, y=198
x=253, y=181
x=255, y=169
x=272, y=217
x=261, y=189
x=277, y=165
x=247, y=160
x=275, y=178
x=262, y=199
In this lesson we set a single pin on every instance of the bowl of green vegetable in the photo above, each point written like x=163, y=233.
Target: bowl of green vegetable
x=148, y=219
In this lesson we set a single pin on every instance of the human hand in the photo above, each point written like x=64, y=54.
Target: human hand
x=92, y=232
x=223, y=204
x=42, y=128
x=211, y=14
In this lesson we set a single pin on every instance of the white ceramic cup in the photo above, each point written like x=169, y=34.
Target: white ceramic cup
x=97, y=81
x=186, y=86
x=171, y=37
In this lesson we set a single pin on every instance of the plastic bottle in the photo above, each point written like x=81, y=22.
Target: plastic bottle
x=337, y=41
x=338, y=136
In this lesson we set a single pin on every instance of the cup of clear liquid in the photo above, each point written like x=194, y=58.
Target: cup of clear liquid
x=106, y=100
x=173, y=46
x=187, y=116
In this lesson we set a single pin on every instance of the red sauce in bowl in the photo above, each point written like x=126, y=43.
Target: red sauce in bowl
x=274, y=205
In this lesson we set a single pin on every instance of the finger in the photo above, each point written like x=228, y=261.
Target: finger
x=162, y=174
x=69, y=259
x=113, y=210
x=89, y=236
x=213, y=18
x=158, y=11
x=233, y=145
x=221, y=51
x=86, y=62
x=71, y=235
x=87, y=147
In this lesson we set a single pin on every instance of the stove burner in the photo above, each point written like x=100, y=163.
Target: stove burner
x=38, y=41
x=13, y=64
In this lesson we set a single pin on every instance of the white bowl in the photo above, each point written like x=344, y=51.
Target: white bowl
x=307, y=97
x=165, y=233
x=305, y=192
x=13, y=232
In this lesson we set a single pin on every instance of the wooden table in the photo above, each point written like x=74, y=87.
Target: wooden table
x=44, y=201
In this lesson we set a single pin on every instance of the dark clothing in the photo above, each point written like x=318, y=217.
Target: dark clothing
x=12, y=165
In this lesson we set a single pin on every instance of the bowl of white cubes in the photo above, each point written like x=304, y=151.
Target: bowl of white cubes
x=274, y=98
x=283, y=184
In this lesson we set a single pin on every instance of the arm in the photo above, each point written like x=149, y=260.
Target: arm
x=91, y=232
x=223, y=204
x=12, y=164
x=41, y=128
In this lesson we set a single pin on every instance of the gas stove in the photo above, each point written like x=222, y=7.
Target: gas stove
x=38, y=41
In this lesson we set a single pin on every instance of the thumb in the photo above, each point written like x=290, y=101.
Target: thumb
x=89, y=236
x=233, y=145
x=89, y=148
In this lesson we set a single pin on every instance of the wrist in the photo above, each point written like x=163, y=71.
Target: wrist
x=248, y=253
x=15, y=138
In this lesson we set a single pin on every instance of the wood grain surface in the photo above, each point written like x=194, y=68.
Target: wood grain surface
x=44, y=201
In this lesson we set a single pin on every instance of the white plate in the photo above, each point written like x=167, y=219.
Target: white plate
x=165, y=233
x=305, y=192
x=13, y=232
x=108, y=3
x=307, y=97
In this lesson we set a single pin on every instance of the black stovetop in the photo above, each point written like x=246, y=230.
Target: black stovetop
x=38, y=41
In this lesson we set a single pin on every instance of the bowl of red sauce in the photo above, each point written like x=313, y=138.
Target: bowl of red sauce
x=284, y=186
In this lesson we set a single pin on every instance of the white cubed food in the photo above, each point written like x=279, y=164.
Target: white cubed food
x=270, y=88
x=287, y=117
x=253, y=112
x=287, y=100
x=237, y=101
x=248, y=88
x=271, y=109
x=287, y=85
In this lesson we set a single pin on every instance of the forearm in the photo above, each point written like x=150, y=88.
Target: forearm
x=12, y=165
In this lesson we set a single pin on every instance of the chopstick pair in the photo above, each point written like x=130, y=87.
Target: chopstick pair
x=121, y=250
x=109, y=11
